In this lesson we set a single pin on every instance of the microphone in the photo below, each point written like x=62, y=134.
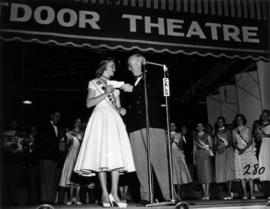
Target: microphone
x=152, y=63
x=145, y=62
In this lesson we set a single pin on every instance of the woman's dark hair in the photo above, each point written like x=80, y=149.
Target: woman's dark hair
x=243, y=119
x=197, y=126
x=224, y=122
x=75, y=120
x=102, y=66
x=263, y=112
x=221, y=118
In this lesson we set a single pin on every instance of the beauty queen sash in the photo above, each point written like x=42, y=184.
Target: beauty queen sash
x=240, y=134
x=205, y=146
x=101, y=89
x=222, y=140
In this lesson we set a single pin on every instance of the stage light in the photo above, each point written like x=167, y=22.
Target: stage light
x=27, y=102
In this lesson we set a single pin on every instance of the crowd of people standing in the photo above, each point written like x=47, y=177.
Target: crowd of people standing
x=204, y=158
x=230, y=153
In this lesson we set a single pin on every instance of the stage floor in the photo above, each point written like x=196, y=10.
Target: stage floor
x=212, y=204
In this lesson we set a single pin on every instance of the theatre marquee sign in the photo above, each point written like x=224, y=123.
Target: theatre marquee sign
x=115, y=27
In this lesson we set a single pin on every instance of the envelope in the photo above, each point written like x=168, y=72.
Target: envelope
x=115, y=84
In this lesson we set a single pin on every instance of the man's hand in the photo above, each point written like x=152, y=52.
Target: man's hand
x=110, y=89
x=122, y=111
x=127, y=88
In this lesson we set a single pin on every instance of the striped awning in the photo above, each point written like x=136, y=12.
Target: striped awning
x=218, y=28
x=249, y=9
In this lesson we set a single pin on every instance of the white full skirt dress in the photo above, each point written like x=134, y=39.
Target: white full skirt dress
x=264, y=156
x=105, y=145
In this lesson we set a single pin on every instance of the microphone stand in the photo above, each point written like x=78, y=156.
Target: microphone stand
x=149, y=168
x=166, y=94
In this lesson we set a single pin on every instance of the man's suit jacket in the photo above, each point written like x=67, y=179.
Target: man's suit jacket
x=136, y=108
x=48, y=142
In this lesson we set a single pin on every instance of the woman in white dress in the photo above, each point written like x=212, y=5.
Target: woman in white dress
x=68, y=179
x=264, y=155
x=105, y=146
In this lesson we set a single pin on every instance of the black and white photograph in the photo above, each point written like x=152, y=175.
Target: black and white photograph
x=135, y=103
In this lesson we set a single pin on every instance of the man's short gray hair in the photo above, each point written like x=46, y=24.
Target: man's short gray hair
x=138, y=57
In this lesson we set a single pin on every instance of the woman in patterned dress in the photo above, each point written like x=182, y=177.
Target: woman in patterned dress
x=264, y=155
x=245, y=154
x=203, y=154
x=181, y=173
x=224, y=157
x=105, y=147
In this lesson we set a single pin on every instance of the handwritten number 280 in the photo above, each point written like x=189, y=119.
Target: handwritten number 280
x=255, y=169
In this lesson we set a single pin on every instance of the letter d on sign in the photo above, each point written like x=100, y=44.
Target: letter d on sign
x=14, y=16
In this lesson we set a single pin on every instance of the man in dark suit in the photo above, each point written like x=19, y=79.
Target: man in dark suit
x=48, y=151
x=137, y=129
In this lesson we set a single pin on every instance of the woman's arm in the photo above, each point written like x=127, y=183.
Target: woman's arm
x=230, y=139
x=209, y=138
x=210, y=141
x=194, y=155
x=118, y=102
x=234, y=141
x=250, y=139
x=176, y=139
x=69, y=136
x=92, y=101
x=265, y=134
x=121, y=110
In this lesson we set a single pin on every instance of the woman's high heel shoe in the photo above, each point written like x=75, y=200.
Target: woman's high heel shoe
x=78, y=202
x=118, y=204
x=70, y=202
x=106, y=204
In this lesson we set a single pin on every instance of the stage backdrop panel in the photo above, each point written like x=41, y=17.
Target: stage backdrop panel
x=264, y=80
x=223, y=104
x=213, y=108
x=249, y=95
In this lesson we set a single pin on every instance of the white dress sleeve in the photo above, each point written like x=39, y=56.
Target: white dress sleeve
x=91, y=85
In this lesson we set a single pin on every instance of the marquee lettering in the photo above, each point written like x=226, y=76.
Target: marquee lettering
x=129, y=24
x=208, y=30
x=46, y=15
